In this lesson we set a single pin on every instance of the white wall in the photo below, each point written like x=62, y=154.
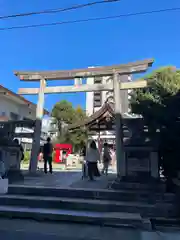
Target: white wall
x=89, y=98
x=105, y=94
x=26, y=112
x=90, y=95
x=7, y=106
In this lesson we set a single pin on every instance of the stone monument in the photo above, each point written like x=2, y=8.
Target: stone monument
x=10, y=154
x=141, y=155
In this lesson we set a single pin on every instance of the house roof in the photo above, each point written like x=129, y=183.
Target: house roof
x=3, y=119
x=19, y=97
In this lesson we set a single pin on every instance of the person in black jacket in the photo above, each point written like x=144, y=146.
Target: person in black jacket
x=16, y=141
x=47, y=155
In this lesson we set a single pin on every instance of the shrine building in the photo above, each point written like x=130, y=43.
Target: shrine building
x=96, y=101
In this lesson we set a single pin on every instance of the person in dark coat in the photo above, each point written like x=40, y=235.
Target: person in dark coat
x=106, y=159
x=47, y=155
x=16, y=141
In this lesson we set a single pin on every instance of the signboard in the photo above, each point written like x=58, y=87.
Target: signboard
x=138, y=162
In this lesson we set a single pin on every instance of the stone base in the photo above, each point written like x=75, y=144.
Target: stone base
x=142, y=178
x=14, y=176
x=134, y=183
x=34, y=174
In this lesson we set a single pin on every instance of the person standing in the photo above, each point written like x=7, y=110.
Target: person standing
x=21, y=154
x=92, y=157
x=106, y=159
x=2, y=166
x=83, y=160
x=47, y=155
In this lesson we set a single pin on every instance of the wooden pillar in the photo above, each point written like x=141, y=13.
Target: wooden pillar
x=120, y=156
x=37, y=128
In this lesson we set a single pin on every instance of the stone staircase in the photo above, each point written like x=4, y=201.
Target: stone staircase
x=133, y=205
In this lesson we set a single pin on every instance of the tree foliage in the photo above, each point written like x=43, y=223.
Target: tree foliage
x=64, y=113
x=159, y=104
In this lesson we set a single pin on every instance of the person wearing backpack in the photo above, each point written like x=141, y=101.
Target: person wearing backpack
x=47, y=155
x=106, y=159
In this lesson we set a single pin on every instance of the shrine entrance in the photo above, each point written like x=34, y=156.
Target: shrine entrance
x=114, y=72
x=134, y=136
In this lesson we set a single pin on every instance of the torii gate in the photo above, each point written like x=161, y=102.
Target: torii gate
x=115, y=71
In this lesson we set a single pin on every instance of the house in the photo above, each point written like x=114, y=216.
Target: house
x=50, y=127
x=16, y=107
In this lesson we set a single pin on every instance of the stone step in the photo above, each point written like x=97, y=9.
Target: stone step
x=79, y=204
x=165, y=224
x=95, y=218
x=117, y=195
x=156, y=187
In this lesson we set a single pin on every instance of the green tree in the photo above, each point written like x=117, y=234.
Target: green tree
x=64, y=113
x=159, y=104
x=79, y=135
x=80, y=114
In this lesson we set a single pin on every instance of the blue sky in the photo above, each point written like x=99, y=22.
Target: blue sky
x=86, y=44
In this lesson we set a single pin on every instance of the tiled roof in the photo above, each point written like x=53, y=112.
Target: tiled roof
x=98, y=115
x=106, y=111
x=3, y=118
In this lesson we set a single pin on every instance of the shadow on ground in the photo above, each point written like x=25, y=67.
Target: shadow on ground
x=63, y=179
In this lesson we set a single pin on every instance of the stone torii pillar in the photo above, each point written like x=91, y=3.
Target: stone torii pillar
x=120, y=156
x=37, y=128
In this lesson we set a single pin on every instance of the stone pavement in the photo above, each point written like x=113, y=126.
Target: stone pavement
x=63, y=179
x=28, y=230
x=100, y=182
x=57, y=179
x=56, y=166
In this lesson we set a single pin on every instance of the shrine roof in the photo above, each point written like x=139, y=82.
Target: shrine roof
x=105, y=111
x=101, y=117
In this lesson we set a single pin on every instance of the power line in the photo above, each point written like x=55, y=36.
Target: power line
x=57, y=10
x=91, y=19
